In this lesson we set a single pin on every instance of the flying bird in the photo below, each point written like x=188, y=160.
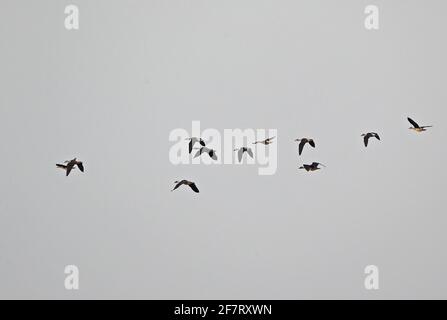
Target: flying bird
x=416, y=127
x=63, y=166
x=312, y=167
x=191, y=184
x=303, y=142
x=210, y=152
x=193, y=141
x=266, y=141
x=368, y=135
x=70, y=165
x=241, y=152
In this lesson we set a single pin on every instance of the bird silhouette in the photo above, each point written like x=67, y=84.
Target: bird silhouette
x=266, y=141
x=368, y=135
x=416, y=127
x=193, y=141
x=312, y=167
x=303, y=142
x=70, y=165
x=191, y=184
x=210, y=152
x=241, y=151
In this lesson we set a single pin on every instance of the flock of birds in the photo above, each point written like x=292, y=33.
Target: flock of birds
x=69, y=165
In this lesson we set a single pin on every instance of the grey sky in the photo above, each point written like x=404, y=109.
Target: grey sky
x=111, y=92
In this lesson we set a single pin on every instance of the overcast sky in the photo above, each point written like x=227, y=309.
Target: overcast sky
x=111, y=92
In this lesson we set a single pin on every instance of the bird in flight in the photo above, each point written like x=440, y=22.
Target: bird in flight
x=70, y=165
x=210, y=152
x=368, y=135
x=303, y=142
x=193, y=141
x=266, y=141
x=312, y=167
x=191, y=184
x=241, y=151
x=416, y=127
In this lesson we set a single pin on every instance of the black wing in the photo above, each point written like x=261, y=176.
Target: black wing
x=69, y=167
x=301, y=146
x=202, y=142
x=194, y=187
x=239, y=154
x=177, y=185
x=250, y=152
x=199, y=152
x=312, y=143
x=377, y=136
x=413, y=123
x=80, y=166
x=316, y=164
x=190, y=146
x=62, y=166
x=365, y=139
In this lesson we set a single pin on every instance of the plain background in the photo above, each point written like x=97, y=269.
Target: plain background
x=110, y=94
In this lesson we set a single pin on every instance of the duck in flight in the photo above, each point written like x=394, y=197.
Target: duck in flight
x=312, y=167
x=303, y=142
x=266, y=141
x=368, y=135
x=191, y=184
x=70, y=165
x=241, y=151
x=193, y=141
x=210, y=152
x=416, y=127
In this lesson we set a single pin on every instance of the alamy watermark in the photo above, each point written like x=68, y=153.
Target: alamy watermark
x=372, y=277
x=71, y=21
x=72, y=279
x=233, y=146
x=372, y=18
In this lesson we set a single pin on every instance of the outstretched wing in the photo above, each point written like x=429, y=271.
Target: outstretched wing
x=312, y=143
x=212, y=154
x=80, y=166
x=377, y=136
x=365, y=139
x=190, y=146
x=194, y=187
x=69, y=167
x=250, y=152
x=61, y=166
x=301, y=146
x=240, y=154
x=413, y=123
x=198, y=153
x=202, y=142
x=177, y=185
